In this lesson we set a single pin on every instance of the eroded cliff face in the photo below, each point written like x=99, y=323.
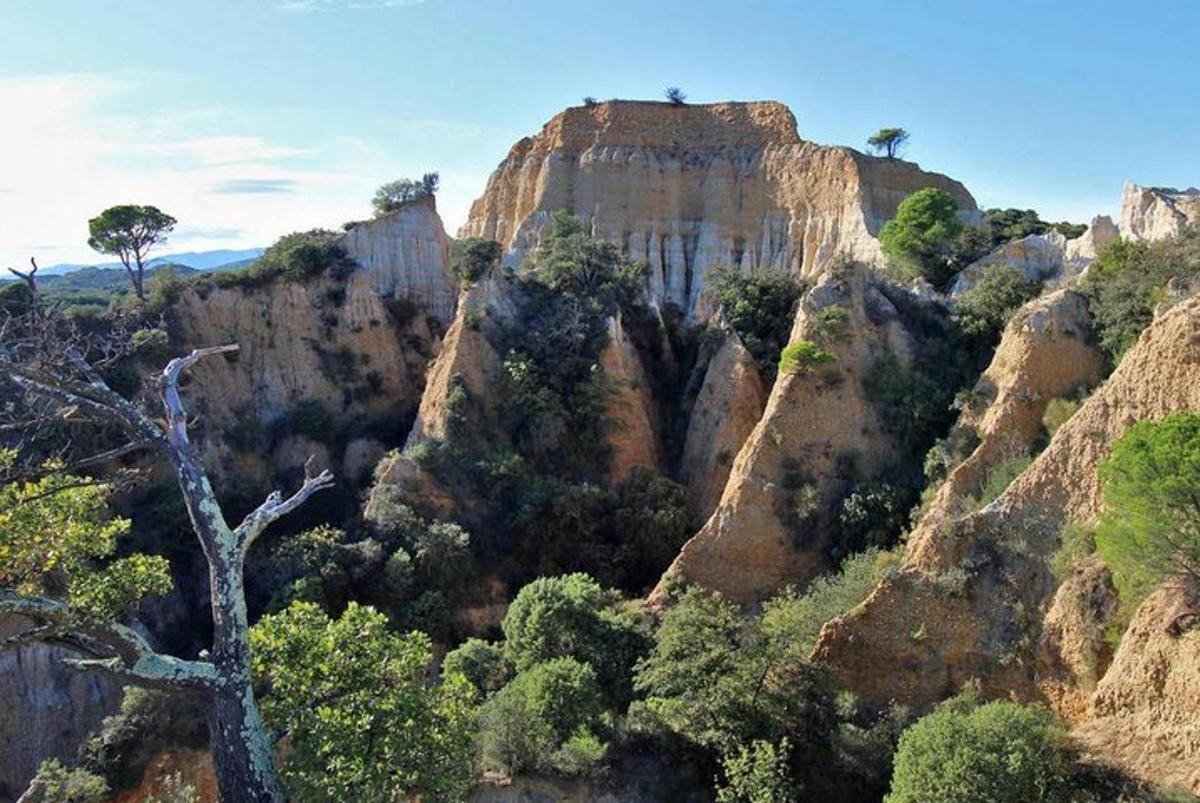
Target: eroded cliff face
x=1156, y=213
x=48, y=709
x=407, y=255
x=970, y=600
x=816, y=437
x=688, y=187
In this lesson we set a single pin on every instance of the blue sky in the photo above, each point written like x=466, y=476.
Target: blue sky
x=250, y=118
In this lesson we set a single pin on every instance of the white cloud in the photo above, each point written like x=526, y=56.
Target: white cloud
x=65, y=156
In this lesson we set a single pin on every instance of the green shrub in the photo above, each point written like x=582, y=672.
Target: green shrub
x=473, y=258
x=758, y=773
x=803, y=357
x=1058, y=412
x=759, y=306
x=651, y=522
x=1076, y=543
x=872, y=515
x=1000, y=752
x=55, y=783
x=396, y=195
x=829, y=324
x=481, y=662
x=910, y=404
x=1128, y=281
x=982, y=311
x=920, y=238
x=307, y=417
x=998, y=479
x=298, y=256
x=526, y=724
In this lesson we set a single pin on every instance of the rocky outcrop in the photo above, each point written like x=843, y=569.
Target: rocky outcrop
x=727, y=407
x=1145, y=715
x=334, y=344
x=970, y=597
x=1048, y=351
x=817, y=435
x=688, y=187
x=1155, y=213
x=407, y=255
x=1038, y=257
x=48, y=709
x=1099, y=235
x=634, y=433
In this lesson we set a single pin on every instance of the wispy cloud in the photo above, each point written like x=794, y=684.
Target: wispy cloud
x=308, y=6
x=254, y=186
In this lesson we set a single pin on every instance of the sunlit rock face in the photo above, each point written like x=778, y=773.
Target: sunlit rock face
x=1155, y=213
x=685, y=188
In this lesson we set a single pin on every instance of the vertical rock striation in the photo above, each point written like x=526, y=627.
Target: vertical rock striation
x=1155, y=213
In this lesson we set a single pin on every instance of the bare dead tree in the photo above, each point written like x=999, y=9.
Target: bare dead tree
x=58, y=381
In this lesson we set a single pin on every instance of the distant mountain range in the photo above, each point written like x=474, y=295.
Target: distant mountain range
x=220, y=259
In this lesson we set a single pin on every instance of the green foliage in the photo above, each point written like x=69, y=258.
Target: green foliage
x=650, y=524
x=176, y=789
x=982, y=311
x=829, y=324
x=803, y=357
x=363, y=723
x=55, y=783
x=474, y=258
x=527, y=724
x=307, y=417
x=1129, y=280
x=1057, y=413
x=998, y=479
x=396, y=195
x=910, y=403
x=758, y=773
x=481, y=662
x=920, y=238
x=1076, y=543
x=1000, y=752
x=794, y=619
x=163, y=288
x=571, y=616
x=872, y=515
x=1005, y=225
x=128, y=232
x=675, y=95
x=888, y=141
x=109, y=591
x=759, y=306
x=298, y=256
x=1150, y=528
x=148, y=722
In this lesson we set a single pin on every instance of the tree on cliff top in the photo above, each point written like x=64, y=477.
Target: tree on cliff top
x=888, y=141
x=675, y=95
x=54, y=531
x=398, y=194
x=128, y=232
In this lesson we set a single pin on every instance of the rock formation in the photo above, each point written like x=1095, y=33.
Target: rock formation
x=407, y=255
x=1155, y=213
x=970, y=598
x=688, y=187
x=817, y=435
x=1099, y=235
x=726, y=409
x=48, y=708
x=635, y=436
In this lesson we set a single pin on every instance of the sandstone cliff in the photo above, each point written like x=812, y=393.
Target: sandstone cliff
x=1155, y=213
x=688, y=187
x=817, y=435
x=407, y=255
x=970, y=598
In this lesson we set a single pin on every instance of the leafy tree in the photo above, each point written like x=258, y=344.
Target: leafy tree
x=481, y=662
x=1129, y=281
x=571, y=616
x=758, y=773
x=129, y=232
x=759, y=306
x=396, y=195
x=1000, y=752
x=675, y=95
x=920, y=238
x=530, y=722
x=650, y=518
x=474, y=257
x=55, y=783
x=1150, y=528
x=982, y=311
x=363, y=723
x=888, y=141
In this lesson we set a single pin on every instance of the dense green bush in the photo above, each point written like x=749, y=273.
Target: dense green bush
x=546, y=719
x=55, y=783
x=803, y=357
x=481, y=662
x=396, y=195
x=999, y=752
x=473, y=258
x=872, y=515
x=759, y=306
x=920, y=238
x=1130, y=279
x=982, y=311
x=911, y=404
x=758, y=773
x=829, y=324
x=298, y=256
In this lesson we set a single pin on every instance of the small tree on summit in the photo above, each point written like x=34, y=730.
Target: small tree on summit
x=675, y=95
x=397, y=194
x=888, y=141
x=128, y=232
